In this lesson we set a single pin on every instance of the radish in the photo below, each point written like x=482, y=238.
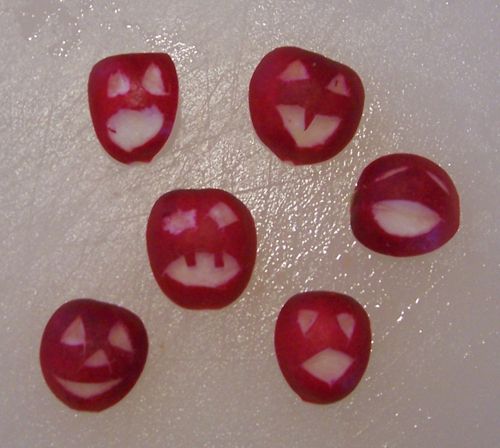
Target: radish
x=322, y=341
x=133, y=103
x=404, y=205
x=202, y=246
x=92, y=353
x=304, y=107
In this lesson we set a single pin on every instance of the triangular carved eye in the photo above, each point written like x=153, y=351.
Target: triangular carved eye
x=153, y=82
x=118, y=84
x=339, y=86
x=74, y=334
x=306, y=319
x=119, y=338
x=347, y=324
x=296, y=71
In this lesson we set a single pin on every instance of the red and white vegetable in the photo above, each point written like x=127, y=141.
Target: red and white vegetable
x=404, y=205
x=133, y=102
x=304, y=107
x=202, y=246
x=322, y=341
x=92, y=353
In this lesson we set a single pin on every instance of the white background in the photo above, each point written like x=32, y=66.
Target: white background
x=72, y=222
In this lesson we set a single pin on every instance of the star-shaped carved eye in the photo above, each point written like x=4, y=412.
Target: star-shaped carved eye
x=178, y=222
x=74, y=334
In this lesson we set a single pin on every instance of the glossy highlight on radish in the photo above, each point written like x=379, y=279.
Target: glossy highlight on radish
x=92, y=353
x=133, y=103
x=404, y=205
x=305, y=107
x=322, y=341
x=202, y=246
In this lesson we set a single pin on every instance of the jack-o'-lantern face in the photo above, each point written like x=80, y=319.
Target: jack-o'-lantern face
x=92, y=353
x=133, y=102
x=304, y=107
x=201, y=246
x=404, y=205
x=322, y=342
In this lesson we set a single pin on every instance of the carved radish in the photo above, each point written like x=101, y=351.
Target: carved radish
x=202, y=247
x=92, y=353
x=322, y=341
x=133, y=103
x=404, y=205
x=304, y=107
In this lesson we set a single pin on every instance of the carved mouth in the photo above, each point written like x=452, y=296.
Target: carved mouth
x=130, y=129
x=87, y=390
x=204, y=272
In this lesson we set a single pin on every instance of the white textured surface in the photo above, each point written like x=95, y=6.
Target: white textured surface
x=73, y=222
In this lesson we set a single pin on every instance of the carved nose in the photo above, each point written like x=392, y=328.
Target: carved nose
x=97, y=359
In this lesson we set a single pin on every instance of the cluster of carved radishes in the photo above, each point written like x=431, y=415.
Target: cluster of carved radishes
x=202, y=244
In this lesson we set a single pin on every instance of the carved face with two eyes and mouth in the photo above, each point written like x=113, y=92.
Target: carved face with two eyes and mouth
x=133, y=102
x=404, y=205
x=202, y=247
x=92, y=353
x=322, y=342
x=304, y=107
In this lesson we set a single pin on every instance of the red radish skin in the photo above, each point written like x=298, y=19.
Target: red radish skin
x=92, y=353
x=322, y=341
x=404, y=205
x=202, y=246
x=133, y=102
x=305, y=107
